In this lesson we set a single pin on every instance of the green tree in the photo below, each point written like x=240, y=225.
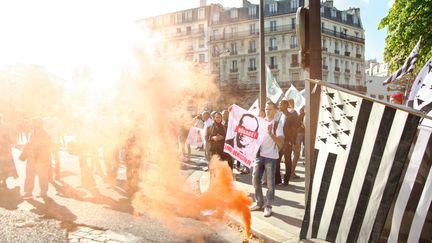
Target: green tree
x=406, y=21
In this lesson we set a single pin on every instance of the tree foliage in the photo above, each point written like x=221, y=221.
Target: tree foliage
x=406, y=21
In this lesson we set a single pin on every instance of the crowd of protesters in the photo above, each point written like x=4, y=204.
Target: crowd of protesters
x=42, y=138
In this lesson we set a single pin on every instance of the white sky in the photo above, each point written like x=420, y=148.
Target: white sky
x=61, y=33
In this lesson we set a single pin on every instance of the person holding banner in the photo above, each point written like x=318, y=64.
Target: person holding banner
x=215, y=137
x=266, y=161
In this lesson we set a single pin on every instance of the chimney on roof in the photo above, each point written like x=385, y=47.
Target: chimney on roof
x=328, y=3
x=203, y=3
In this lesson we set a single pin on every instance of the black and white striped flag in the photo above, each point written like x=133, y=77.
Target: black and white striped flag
x=407, y=67
x=361, y=149
x=420, y=97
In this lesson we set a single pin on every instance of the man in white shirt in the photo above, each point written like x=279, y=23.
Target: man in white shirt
x=266, y=161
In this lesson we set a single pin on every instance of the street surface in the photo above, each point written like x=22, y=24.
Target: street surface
x=75, y=214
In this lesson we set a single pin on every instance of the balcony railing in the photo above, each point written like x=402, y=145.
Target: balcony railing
x=247, y=33
x=273, y=66
x=325, y=67
x=358, y=55
x=358, y=72
x=293, y=46
x=347, y=53
x=342, y=35
x=337, y=51
x=347, y=71
x=233, y=53
x=337, y=69
x=295, y=64
x=325, y=49
x=234, y=70
x=252, y=50
x=250, y=69
x=273, y=48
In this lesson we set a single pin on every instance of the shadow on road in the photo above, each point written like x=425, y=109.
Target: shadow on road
x=10, y=198
x=51, y=209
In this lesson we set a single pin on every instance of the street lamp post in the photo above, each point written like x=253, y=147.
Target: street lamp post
x=263, y=92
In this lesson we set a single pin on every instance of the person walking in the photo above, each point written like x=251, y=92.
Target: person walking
x=37, y=153
x=7, y=165
x=266, y=161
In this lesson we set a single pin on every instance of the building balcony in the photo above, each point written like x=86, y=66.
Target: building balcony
x=232, y=53
x=273, y=67
x=358, y=73
x=337, y=51
x=252, y=50
x=337, y=69
x=358, y=55
x=273, y=48
x=342, y=35
x=347, y=53
x=252, y=69
x=295, y=64
x=347, y=71
x=325, y=67
x=292, y=46
x=325, y=49
x=234, y=70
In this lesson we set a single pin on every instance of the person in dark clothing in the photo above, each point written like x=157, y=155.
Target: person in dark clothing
x=290, y=132
x=299, y=141
x=215, y=136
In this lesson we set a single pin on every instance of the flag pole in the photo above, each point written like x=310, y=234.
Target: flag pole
x=313, y=35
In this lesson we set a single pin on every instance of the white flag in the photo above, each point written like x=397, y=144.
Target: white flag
x=293, y=93
x=273, y=91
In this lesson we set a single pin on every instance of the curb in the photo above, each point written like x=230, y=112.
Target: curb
x=260, y=228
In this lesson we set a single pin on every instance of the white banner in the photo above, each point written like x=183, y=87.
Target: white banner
x=245, y=135
x=195, y=136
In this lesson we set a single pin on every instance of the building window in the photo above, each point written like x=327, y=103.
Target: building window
x=233, y=13
x=201, y=28
x=293, y=23
x=294, y=43
x=201, y=13
x=273, y=44
x=273, y=8
x=324, y=61
x=215, y=17
x=355, y=19
x=322, y=9
x=188, y=30
x=347, y=69
x=294, y=4
x=253, y=11
x=324, y=44
x=179, y=18
x=234, y=68
x=273, y=62
x=178, y=30
x=273, y=26
x=233, y=31
x=333, y=13
x=201, y=43
x=201, y=58
x=337, y=48
x=252, y=46
x=294, y=60
x=188, y=15
x=334, y=30
x=233, y=48
x=344, y=16
x=295, y=76
x=252, y=28
x=252, y=64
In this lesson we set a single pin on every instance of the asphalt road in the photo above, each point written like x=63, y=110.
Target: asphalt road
x=75, y=214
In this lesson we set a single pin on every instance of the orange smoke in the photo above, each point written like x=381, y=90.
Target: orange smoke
x=223, y=197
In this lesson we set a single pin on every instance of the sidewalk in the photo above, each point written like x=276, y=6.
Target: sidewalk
x=285, y=223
